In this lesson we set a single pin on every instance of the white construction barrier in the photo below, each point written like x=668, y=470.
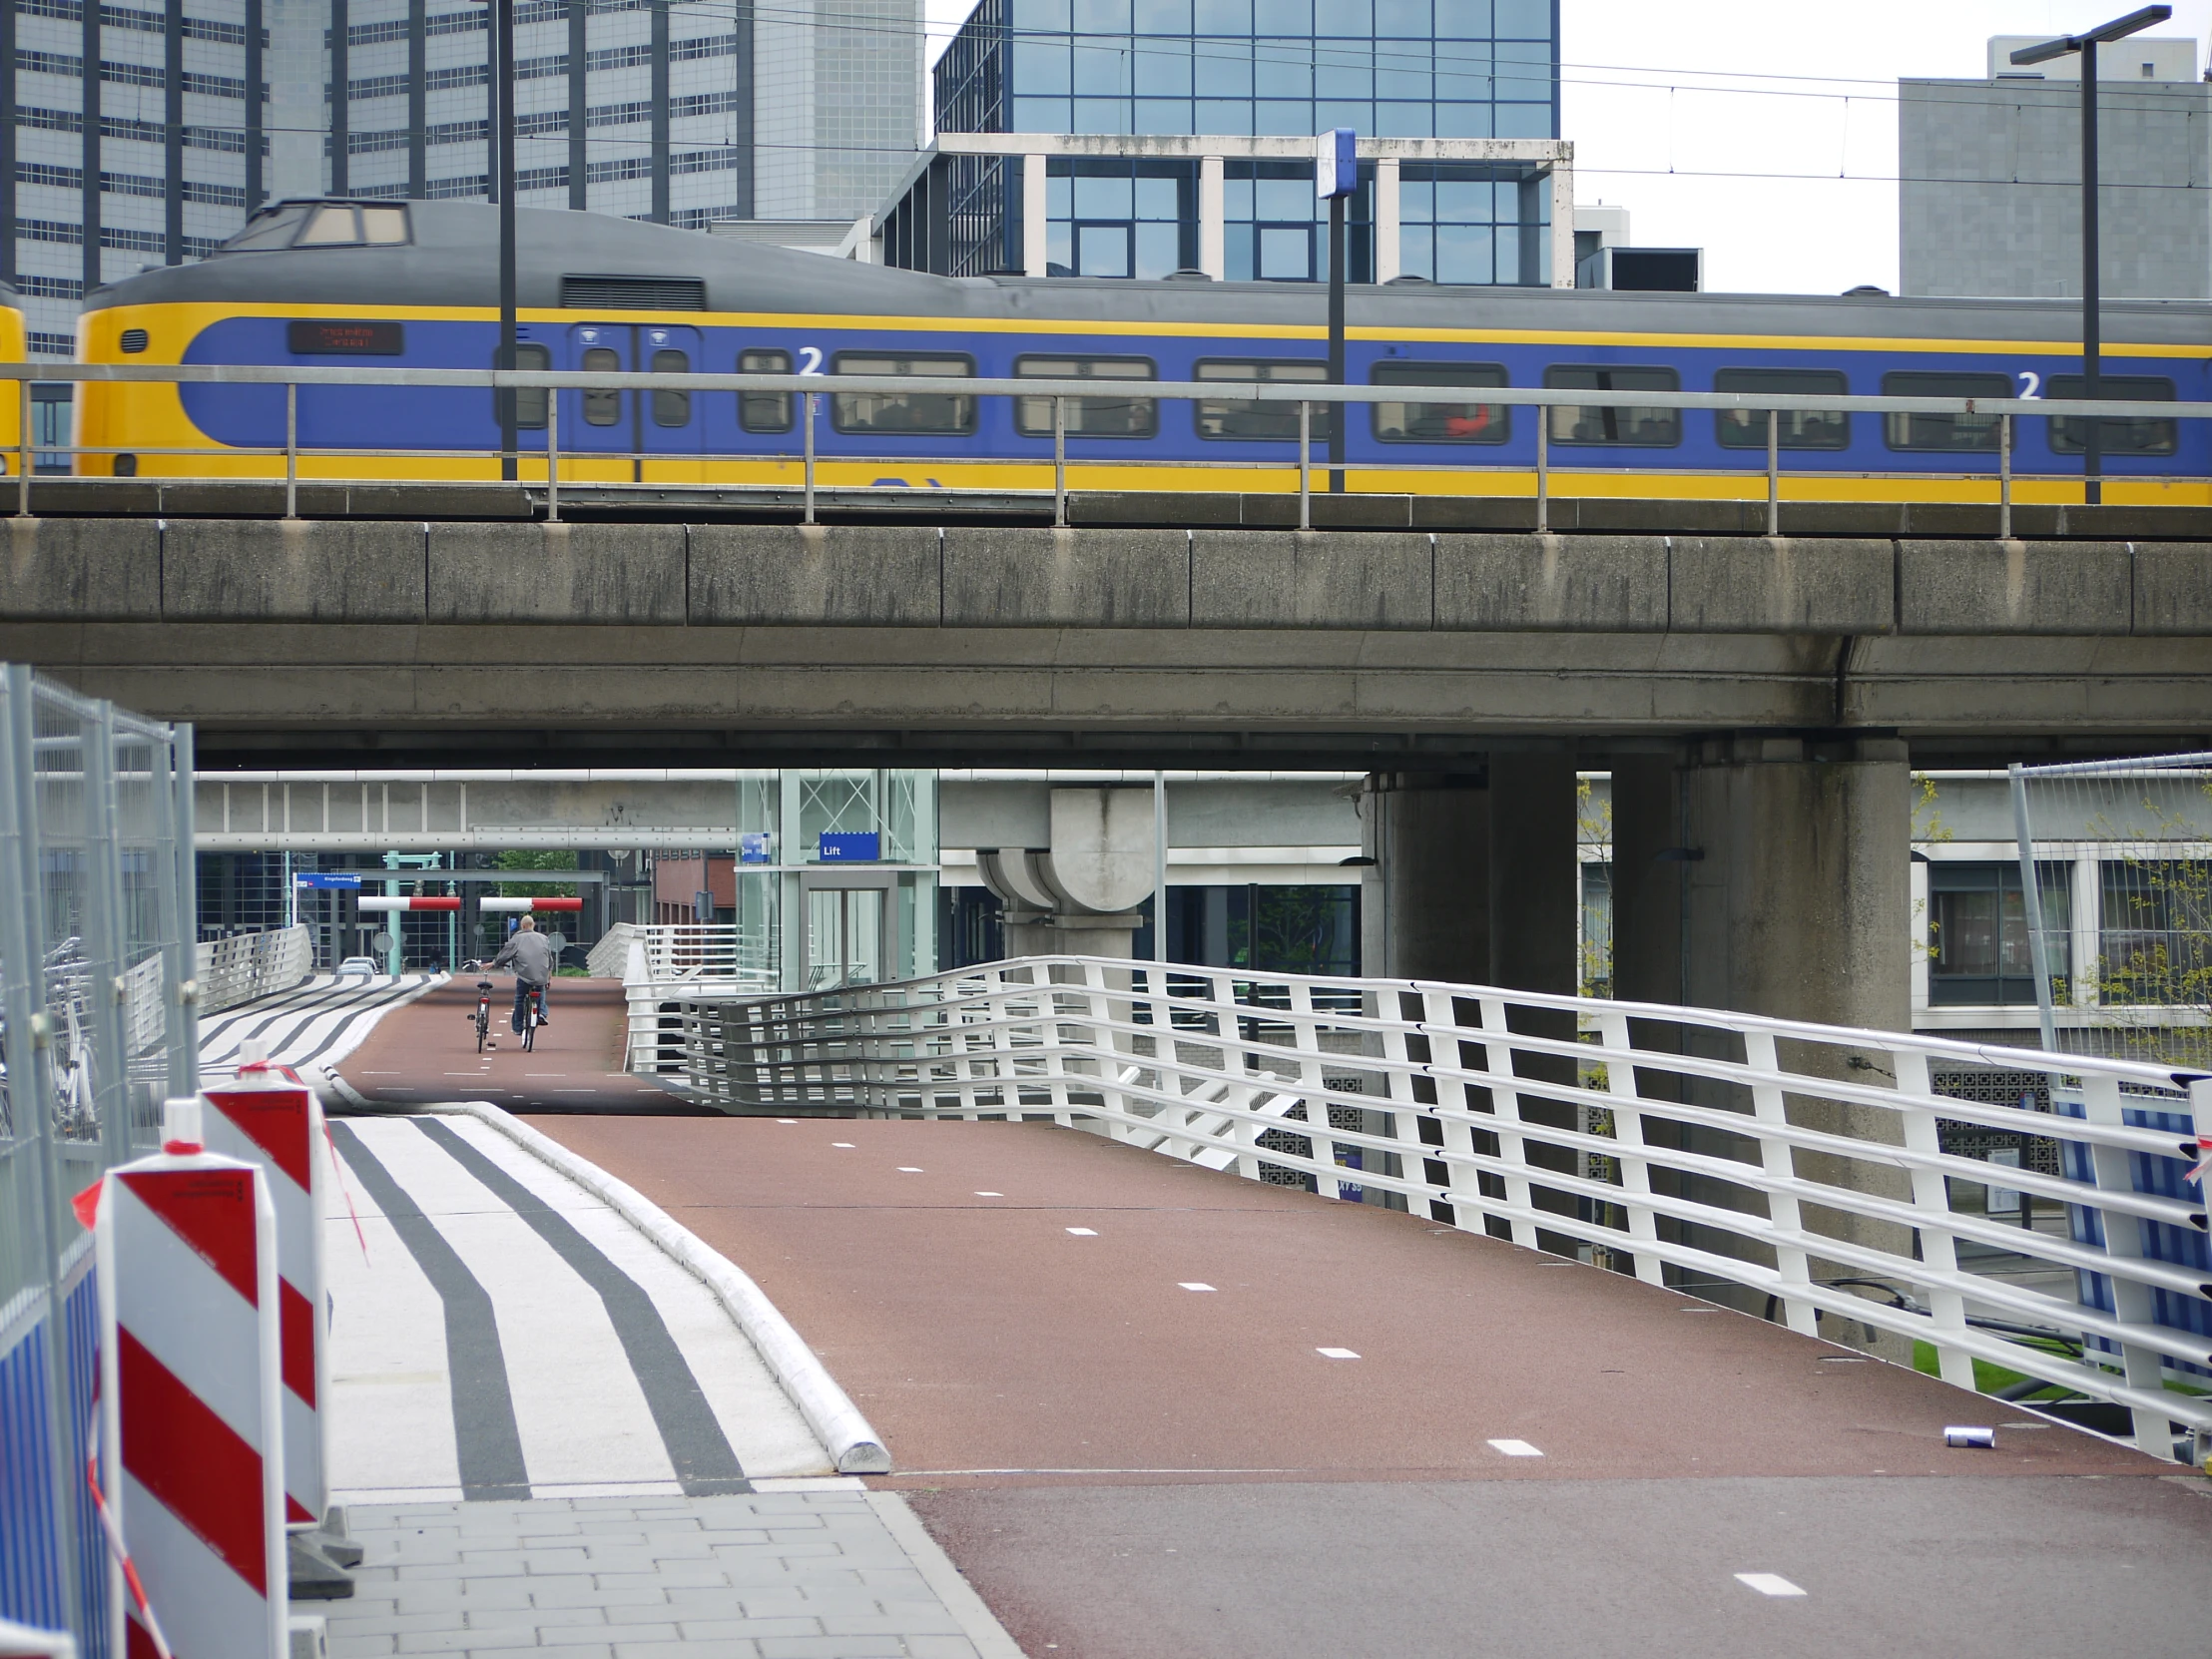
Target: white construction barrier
x=275, y=1121
x=191, y=1425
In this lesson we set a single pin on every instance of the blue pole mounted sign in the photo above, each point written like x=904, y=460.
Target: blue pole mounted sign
x=317, y=878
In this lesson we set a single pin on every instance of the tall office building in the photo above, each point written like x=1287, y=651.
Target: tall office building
x=1136, y=107
x=685, y=112
x=1991, y=202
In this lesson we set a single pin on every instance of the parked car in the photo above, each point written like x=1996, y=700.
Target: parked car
x=360, y=964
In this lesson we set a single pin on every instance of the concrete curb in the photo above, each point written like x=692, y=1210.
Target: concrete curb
x=853, y=1446
x=977, y=1621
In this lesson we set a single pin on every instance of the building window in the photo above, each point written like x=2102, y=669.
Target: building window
x=1474, y=225
x=2155, y=943
x=1267, y=929
x=1121, y=217
x=900, y=413
x=1088, y=417
x=2121, y=435
x=1943, y=432
x=1438, y=422
x=1613, y=423
x=1799, y=428
x=1980, y=952
x=1237, y=418
x=764, y=411
x=1277, y=231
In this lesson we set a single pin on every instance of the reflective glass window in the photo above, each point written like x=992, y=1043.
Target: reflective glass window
x=1952, y=433
x=1088, y=417
x=1612, y=423
x=898, y=414
x=530, y=402
x=602, y=408
x=1799, y=428
x=671, y=408
x=764, y=411
x=1233, y=418
x=383, y=226
x=329, y=228
x=1425, y=421
x=2120, y=434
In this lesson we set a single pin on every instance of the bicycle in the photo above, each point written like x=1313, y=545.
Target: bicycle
x=483, y=1013
x=533, y=1016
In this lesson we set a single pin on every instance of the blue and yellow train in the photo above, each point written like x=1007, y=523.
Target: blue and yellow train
x=12, y=341
x=381, y=285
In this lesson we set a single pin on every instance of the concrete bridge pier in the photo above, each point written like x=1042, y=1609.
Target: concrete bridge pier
x=1771, y=875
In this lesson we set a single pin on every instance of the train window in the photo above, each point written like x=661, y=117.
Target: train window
x=2121, y=434
x=270, y=227
x=1611, y=422
x=1439, y=422
x=764, y=411
x=1943, y=432
x=383, y=226
x=897, y=413
x=329, y=228
x=1088, y=417
x=671, y=408
x=1242, y=417
x=530, y=402
x=1799, y=428
x=602, y=408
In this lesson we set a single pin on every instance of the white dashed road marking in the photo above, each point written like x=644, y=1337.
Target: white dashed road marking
x=1515, y=1448
x=908, y=1169
x=1335, y=1353
x=990, y=1194
x=1085, y=1232
x=1768, y=1583
x=1193, y=1284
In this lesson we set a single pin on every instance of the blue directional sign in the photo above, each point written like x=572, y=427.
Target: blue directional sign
x=852, y=847
x=1335, y=162
x=318, y=879
x=753, y=846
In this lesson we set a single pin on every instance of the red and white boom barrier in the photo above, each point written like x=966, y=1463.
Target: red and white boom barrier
x=269, y=1119
x=376, y=903
x=191, y=1399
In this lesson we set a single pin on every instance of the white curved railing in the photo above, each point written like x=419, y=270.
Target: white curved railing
x=662, y=963
x=1731, y=1154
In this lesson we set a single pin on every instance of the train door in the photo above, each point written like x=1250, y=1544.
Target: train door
x=630, y=427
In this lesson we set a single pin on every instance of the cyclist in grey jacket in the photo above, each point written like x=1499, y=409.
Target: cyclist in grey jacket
x=529, y=954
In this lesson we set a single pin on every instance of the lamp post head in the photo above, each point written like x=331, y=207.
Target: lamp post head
x=2118, y=29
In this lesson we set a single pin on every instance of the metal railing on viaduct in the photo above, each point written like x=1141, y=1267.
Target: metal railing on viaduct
x=1793, y=1170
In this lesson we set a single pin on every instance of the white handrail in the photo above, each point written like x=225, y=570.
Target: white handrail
x=1799, y=1163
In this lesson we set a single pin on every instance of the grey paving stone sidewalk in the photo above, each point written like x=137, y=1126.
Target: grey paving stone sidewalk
x=841, y=1574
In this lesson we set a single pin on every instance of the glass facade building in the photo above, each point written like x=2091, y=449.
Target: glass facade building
x=1463, y=96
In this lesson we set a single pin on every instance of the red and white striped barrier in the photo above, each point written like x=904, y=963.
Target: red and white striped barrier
x=499, y=904
x=376, y=903
x=269, y=1118
x=192, y=1432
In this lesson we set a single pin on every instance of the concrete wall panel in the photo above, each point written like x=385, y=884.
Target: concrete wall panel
x=1310, y=579
x=297, y=570
x=2015, y=587
x=2173, y=588
x=515, y=573
x=799, y=573
x=82, y=569
x=1614, y=584
x=1780, y=584
x=1092, y=578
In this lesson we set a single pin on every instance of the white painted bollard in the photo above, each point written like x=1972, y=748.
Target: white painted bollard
x=191, y=1425
x=272, y=1120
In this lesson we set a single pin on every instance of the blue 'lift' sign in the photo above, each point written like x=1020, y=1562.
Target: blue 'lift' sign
x=852, y=847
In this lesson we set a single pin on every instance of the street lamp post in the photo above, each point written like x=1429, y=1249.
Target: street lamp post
x=1336, y=177
x=2092, y=448
x=500, y=108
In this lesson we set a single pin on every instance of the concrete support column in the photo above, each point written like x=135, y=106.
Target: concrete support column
x=1425, y=904
x=1535, y=898
x=1036, y=211
x=1213, y=214
x=1649, y=875
x=1388, y=246
x=1562, y=219
x=1798, y=906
